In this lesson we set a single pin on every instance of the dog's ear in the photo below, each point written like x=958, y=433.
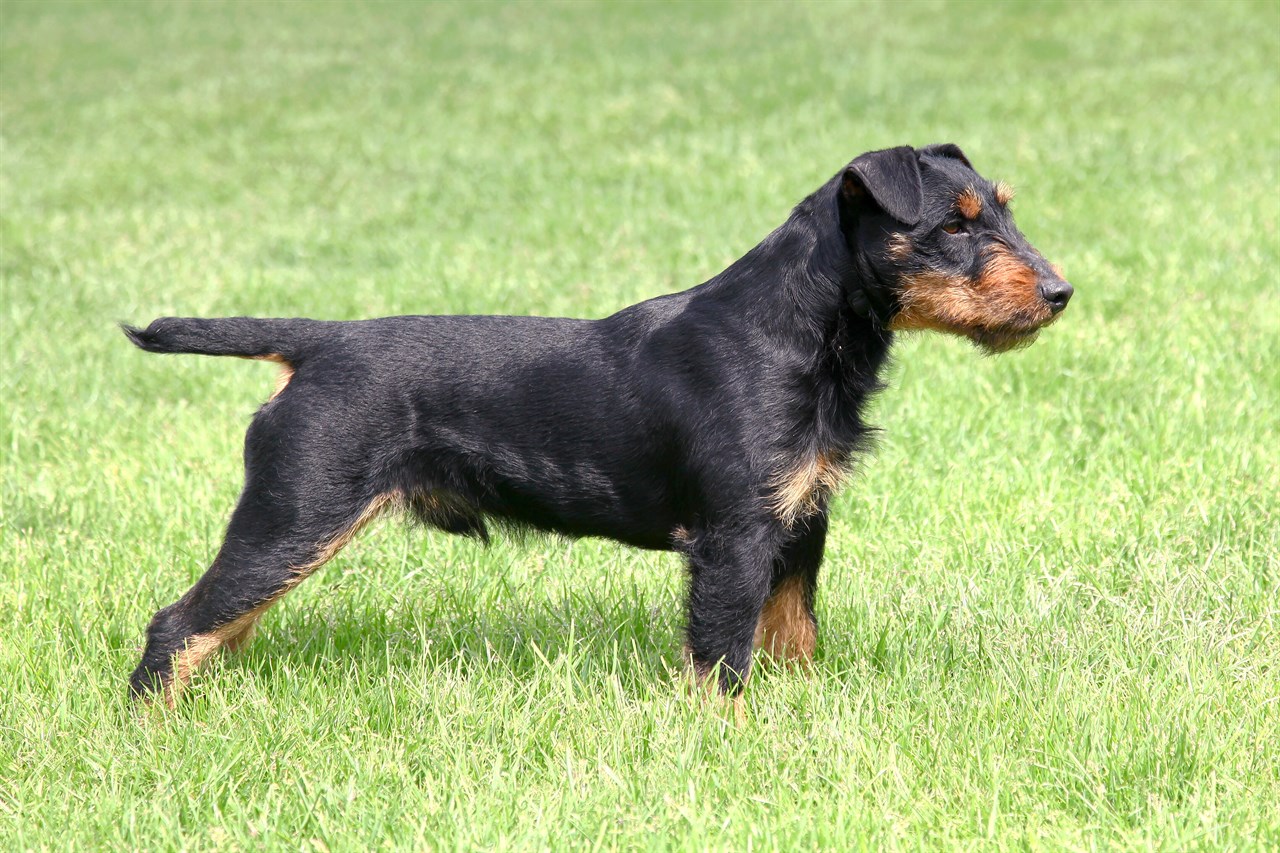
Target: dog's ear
x=947, y=149
x=890, y=179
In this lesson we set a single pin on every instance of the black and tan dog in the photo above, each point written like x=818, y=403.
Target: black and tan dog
x=716, y=422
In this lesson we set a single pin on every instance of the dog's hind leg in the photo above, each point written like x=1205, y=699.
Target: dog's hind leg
x=292, y=517
x=788, y=629
x=730, y=575
x=262, y=558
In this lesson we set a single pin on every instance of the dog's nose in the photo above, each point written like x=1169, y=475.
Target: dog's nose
x=1056, y=292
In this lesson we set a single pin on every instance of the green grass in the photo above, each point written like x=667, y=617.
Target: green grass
x=1051, y=606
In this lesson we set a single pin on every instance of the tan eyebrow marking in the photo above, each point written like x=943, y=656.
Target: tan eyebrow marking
x=969, y=203
x=1004, y=193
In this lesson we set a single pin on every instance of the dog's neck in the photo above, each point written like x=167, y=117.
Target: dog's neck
x=797, y=289
x=804, y=283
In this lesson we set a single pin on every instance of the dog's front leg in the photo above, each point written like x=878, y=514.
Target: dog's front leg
x=788, y=629
x=730, y=571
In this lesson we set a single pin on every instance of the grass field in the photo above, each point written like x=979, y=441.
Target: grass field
x=1051, y=606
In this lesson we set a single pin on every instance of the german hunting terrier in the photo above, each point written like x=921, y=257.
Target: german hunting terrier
x=716, y=422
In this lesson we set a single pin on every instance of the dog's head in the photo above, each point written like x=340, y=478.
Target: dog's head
x=943, y=249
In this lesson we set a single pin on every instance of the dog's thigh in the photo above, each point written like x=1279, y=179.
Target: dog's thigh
x=788, y=629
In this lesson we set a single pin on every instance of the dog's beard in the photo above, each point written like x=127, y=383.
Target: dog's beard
x=996, y=341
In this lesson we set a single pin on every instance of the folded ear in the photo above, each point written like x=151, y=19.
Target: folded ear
x=890, y=179
x=947, y=149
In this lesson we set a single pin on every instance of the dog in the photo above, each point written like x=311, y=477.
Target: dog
x=716, y=422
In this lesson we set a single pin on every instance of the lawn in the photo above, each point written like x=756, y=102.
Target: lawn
x=1051, y=605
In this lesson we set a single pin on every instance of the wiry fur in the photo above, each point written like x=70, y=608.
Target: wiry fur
x=715, y=422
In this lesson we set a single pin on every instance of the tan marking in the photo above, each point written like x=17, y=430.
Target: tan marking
x=969, y=203
x=237, y=642
x=282, y=378
x=282, y=381
x=1004, y=193
x=197, y=650
x=327, y=552
x=798, y=492
x=236, y=633
x=200, y=647
x=933, y=300
x=1009, y=280
x=899, y=247
x=786, y=631
x=1000, y=310
x=680, y=536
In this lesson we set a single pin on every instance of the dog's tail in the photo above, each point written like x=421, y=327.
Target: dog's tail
x=247, y=337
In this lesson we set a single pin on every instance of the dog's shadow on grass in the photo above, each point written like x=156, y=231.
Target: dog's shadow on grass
x=620, y=632
x=633, y=640
x=636, y=639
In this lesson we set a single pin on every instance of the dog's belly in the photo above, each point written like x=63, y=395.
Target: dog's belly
x=575, y=484
x=562, y=449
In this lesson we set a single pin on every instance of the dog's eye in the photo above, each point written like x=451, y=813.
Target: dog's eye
x=952, y=227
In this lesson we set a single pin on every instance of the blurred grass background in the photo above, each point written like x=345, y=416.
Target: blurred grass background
x=1050, y=610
